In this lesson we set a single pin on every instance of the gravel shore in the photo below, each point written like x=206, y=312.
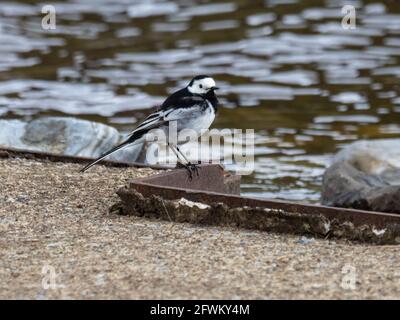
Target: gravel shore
x=58, y=240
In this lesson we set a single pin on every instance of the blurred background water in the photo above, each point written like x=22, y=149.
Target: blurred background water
x=285, y=67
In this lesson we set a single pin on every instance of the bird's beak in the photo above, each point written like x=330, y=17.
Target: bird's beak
x=214, y=88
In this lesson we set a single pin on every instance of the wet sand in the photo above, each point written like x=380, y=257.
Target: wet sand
x=58, y=240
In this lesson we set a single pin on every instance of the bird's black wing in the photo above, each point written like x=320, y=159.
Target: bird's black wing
x=181, y=99
x=174, y=108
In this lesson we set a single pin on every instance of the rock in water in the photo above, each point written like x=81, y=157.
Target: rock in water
x=365, y=175
x=66, y=136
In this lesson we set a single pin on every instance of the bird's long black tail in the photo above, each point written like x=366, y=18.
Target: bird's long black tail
x=104, y=155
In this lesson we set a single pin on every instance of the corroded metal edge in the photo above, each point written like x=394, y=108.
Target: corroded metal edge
x=149, y=196
x=28, y=154
x=211, y=178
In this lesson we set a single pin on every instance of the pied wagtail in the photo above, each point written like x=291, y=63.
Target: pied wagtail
x=193, y=107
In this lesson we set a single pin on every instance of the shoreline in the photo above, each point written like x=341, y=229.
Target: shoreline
x=55, y=222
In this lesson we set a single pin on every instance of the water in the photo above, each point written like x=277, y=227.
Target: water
x=286, y=68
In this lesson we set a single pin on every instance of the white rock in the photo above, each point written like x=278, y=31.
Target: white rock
x=191, y=204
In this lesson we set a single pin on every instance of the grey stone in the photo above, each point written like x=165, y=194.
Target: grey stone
x=66, y=136
x=365, y=175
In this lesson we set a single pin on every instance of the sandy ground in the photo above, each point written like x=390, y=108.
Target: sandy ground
x=57, y=240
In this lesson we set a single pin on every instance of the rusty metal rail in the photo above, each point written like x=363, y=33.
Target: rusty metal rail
x=225, y=207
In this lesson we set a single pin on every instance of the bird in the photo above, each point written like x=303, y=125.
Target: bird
x=192, y=107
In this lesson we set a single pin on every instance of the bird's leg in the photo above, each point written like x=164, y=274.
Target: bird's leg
x=186, y=166
x=192, y=166
x=171, y=146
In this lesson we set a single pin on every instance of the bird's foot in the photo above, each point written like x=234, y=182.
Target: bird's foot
x=191, y=169
x=194, y=168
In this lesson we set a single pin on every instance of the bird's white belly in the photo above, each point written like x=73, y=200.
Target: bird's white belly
x=200, y=122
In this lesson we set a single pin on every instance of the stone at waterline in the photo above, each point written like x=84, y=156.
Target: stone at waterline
x=66, y=136
x=365, y=175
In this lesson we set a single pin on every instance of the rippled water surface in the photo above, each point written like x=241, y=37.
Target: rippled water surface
x=286, y=68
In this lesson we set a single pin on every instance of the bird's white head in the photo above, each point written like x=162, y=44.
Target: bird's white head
x=201, y=85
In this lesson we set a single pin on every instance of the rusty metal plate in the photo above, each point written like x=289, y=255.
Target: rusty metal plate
x=211, y=178
x=213, y=187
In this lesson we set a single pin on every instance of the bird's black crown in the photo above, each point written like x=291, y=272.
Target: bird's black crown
x=199, y=77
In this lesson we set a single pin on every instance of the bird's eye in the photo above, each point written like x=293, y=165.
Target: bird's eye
x=201, y=86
